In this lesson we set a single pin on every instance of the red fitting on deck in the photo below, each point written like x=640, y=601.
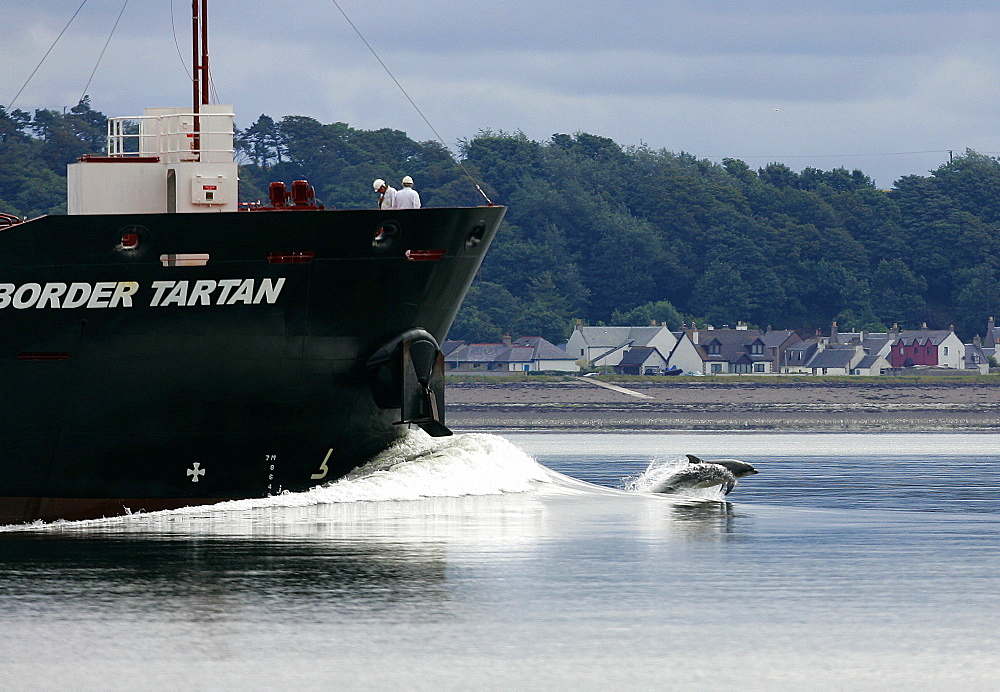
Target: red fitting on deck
x=302, y=193
x=277, y=193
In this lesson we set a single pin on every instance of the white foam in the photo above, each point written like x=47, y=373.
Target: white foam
x=415, y=468
x=418, y=467
x=659, y=470
x=421, y=466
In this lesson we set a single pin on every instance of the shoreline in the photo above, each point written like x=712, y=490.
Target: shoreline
x=725, y=406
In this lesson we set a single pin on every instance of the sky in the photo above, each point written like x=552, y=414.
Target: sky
x=888, y=87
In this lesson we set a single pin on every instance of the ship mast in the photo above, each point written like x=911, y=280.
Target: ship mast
x=199, y=57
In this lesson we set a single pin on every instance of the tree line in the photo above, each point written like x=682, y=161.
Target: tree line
x=623, y=235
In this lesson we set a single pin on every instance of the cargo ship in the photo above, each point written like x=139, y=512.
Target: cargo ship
x=163, y=346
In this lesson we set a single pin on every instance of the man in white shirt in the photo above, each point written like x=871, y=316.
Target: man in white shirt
x=407, y=198
x=387, y=195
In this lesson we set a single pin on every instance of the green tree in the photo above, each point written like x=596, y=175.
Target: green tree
x=978, y=296
x=544, y=313
x=897, y=295
x=13, y=125
x=660, y=312
x=972, y=183
x=488, y=312
x=627, y=268
x=262, y=142
x=723, y=296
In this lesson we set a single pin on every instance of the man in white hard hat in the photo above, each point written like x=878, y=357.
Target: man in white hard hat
x=387, y=195
x=407, y=198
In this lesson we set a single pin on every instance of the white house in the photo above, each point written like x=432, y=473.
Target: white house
x=527, y=354
x=837, y=359
x=685, y=354
x=872, y=365
x=605, y=346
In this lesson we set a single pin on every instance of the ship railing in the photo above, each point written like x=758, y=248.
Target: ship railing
x=172, y=137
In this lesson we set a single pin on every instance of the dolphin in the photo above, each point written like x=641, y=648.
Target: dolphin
x=738, y=468
x=693, y=476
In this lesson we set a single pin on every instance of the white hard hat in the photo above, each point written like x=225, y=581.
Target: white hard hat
x=378, y=183
x=407, y=180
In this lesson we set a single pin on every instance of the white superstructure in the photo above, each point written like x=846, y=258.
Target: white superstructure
x=160, y=163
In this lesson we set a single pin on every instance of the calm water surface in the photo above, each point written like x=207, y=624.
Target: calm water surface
x=849, y=562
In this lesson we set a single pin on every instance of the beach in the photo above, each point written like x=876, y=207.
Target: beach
x=727, y=404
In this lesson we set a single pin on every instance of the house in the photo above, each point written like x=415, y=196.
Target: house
x=837, y=359
x=879, y=343
x=797, y=355
x=874, y=343
x=852, y=353
x=876, y=347
x=477, y=358
x=991, y=341
x=606, y=346
x=527, y=354
x=755, y=351
x=740, y=350
x=644, y=360
x=448, y=346
x=776, y=342
x=930, y=347
x=544, y=355
x=976, y=358
x=875, y=364
x=685, y=355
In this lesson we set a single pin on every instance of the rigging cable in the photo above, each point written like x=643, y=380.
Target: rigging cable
x=14, y=100
x=101, y=56
x=211, y=86
x=173, y=29
x=412, y=103
x=177, y=45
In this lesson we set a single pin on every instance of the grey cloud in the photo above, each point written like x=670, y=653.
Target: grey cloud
x=848, y=76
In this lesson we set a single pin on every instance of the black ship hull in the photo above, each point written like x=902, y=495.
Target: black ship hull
x=158, y=361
